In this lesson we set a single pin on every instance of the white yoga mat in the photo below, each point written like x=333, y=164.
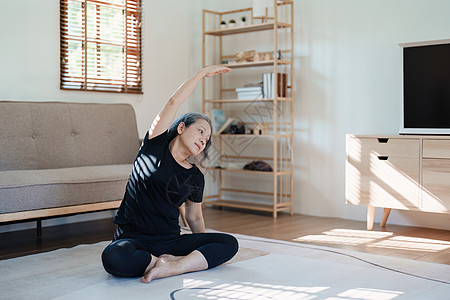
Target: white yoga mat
x=264, y=269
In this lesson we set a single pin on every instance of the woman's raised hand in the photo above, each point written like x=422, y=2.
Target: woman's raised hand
x=214, y=70
x=167, y=114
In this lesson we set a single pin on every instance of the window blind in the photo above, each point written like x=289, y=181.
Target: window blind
x=100, y=46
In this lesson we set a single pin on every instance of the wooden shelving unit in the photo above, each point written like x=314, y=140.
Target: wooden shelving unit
x=246, y=28
x=258, y=64
x=245, y=100
x=272, y=191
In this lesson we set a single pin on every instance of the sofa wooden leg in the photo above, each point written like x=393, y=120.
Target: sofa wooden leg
x=39, y=228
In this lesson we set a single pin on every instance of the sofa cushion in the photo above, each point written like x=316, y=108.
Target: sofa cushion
x=24, y=190
x=48, y=135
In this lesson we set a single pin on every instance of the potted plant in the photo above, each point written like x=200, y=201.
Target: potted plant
x=223, y=25
x=231, y=23
x=243, y=21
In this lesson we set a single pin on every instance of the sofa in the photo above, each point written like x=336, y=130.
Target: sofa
x=59, y=158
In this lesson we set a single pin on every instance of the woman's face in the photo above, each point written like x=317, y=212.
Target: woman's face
x=195, y=136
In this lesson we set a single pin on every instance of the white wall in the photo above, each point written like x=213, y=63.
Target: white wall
x=348, y=81
x=347, y=77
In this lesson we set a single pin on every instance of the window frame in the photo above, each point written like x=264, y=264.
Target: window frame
x=88, y=72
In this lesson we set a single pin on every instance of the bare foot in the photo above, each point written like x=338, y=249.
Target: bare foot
x=164, y=267
x=168, y=265
x=152, y=263
x=171, y=257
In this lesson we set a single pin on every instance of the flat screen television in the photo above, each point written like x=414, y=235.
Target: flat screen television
x=425, y=99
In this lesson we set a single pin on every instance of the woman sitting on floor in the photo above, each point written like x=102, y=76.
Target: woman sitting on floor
x=148, y=242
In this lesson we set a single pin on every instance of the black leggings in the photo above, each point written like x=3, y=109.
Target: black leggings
x=130, y=255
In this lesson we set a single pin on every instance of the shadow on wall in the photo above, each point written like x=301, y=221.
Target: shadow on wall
x=314, y=128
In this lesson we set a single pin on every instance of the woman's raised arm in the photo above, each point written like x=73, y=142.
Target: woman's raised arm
x=167, y=114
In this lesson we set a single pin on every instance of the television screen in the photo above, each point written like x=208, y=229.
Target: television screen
x=426, y=87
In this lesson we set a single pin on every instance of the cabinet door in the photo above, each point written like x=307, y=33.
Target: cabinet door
x=383, y=181
x=436, y=185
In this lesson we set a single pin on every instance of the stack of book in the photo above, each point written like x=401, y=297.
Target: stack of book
x=249, y=93
x=269, y=85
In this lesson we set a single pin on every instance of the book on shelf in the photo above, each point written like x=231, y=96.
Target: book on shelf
x=282, y=83
x=269, y=85
x=249, y=93
x=248, y=89
x=250, y=96
x=266, y=85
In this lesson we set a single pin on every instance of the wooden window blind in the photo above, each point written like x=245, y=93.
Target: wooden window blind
x=101, y=45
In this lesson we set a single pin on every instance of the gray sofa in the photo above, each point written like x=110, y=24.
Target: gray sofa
x=61, y=158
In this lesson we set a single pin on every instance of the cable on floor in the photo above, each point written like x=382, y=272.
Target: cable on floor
x=348, y=255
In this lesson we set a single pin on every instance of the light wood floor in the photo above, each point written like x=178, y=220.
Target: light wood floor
x=431, y=245
x=424, y=244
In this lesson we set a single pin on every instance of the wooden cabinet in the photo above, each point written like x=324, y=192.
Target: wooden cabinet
x=400, y=172
x=261, y=46
x=436, y=175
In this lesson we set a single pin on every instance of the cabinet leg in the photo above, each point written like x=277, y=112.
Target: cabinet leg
x=39, y=228
x=386, y=213
x=370, y=217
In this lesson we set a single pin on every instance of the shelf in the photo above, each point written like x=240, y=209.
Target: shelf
x=258, y=63
x=252, y=157
x=251, y=172
x=248, y=100
x=242, y=171
x=252, y=135
x=253, y=192
x=248, y=28
x=250, y=205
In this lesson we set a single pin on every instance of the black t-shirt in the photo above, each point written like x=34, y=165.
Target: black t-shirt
x=157, y=186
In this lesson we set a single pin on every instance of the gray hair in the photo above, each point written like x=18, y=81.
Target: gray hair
x=188, y=119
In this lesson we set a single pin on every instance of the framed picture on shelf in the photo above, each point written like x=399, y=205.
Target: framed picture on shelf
x=217, y=119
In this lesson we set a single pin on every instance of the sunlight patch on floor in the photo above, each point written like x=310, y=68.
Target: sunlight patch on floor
x=410, y=243
x=344, y=237
x=250, y=290
x=375, y=239
x=203, y=289
x=369, y=294
x=263, y=291
x=193, y=283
